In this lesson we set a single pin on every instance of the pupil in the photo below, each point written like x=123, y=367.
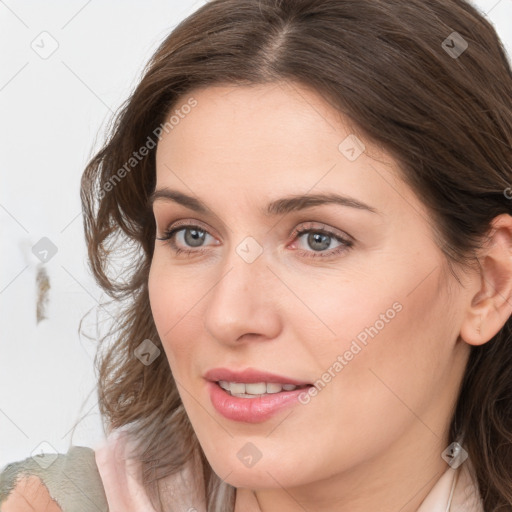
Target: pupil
x=196, y=239
x=314, y=238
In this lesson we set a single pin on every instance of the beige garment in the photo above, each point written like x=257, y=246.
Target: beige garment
x=105, y=480
x=71, y=479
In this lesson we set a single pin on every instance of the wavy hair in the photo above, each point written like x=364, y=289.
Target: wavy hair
x=445, y=118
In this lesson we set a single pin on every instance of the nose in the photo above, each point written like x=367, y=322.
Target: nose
x=242, y=305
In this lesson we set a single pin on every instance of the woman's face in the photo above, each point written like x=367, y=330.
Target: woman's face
x=360, y=303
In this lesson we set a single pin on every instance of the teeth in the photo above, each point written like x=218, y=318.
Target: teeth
x=254, y=389
x=272, y=387
x=237, y=387
x=224, y=385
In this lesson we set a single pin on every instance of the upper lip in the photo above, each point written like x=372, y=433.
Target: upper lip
x=249, y=375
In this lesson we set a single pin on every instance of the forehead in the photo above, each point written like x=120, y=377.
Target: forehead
x=252, y=121
x=276, y=128
x=244, y=141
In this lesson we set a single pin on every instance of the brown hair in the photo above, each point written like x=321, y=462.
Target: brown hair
x=445, y=118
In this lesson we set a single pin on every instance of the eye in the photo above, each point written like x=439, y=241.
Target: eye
x=320, y=239
x=190, y=234
x=184, y=237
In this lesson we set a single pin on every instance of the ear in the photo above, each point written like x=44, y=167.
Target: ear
x=491, y=305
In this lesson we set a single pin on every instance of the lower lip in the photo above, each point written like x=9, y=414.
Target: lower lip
x=251, y=410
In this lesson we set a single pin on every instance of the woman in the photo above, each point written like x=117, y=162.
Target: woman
x=314, y=195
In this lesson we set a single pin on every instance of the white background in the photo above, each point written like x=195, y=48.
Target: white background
x=53, y=113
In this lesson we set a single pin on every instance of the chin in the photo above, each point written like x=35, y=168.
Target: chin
x=263, y=474
x=251, y=478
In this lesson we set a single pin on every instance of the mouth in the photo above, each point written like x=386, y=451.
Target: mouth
x=256, y=389
x=252, y=396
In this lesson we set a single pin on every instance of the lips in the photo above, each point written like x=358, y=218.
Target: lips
x=251, y=396
x=250, y=375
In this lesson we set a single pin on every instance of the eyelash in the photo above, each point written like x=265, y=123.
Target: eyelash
x=168, y=238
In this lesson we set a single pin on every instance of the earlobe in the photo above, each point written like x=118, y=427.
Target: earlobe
x=491, y=305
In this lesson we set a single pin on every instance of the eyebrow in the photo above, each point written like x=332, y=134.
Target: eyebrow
x=277, y=207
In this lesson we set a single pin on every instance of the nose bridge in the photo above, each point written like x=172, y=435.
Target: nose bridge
x=240, y=302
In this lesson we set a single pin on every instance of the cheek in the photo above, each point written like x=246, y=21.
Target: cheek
x=343, y=315
x=175, y=306
x=392, y=349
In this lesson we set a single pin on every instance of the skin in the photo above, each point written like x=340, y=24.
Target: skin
x=30, y=495
x=373, y=436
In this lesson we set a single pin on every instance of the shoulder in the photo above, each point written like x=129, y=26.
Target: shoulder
x=53, y=483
